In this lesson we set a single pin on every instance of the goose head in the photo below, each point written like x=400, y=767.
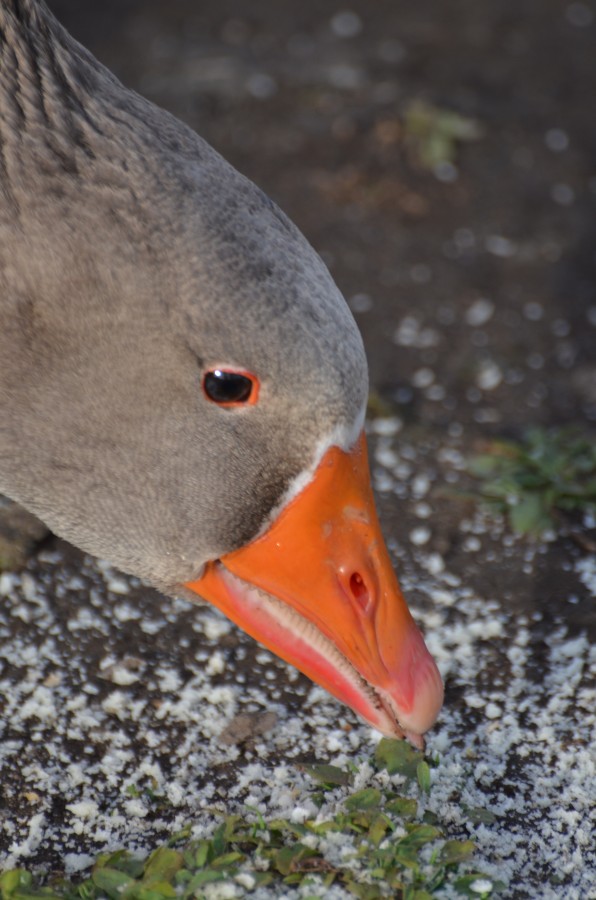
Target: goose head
x=182, y=386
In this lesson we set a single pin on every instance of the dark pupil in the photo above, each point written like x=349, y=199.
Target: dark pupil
x=227, y=387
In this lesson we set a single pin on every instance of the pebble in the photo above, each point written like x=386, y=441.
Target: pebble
x=474, y=701
x=261, y=86
x=479, y=312
x=490, y=376
x=563, y=194
x=580, y=15
x=346, y=24
x=386, y=426
x=386, y=457
x=472, y=544
x=361, y=303
x=556, y=140
x=533, y=311
x=446, y=172
x=501, y=246
x=434, y=563
x=420, y=536
x=423, y=378
x=535, y=361
x=420, y=485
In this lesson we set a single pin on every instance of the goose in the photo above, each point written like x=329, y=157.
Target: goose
x=182, y=385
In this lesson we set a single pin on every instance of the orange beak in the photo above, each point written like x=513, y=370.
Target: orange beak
x=318, y=589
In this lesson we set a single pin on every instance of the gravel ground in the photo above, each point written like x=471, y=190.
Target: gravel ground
x=474, y=283
x=108, y=686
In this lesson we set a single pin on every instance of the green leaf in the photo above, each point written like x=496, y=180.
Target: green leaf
x=260, y=820
x=218, y=841
x=156, y=891
x=434, y=132
x=407, y=857
x=456, y=852
x=178, y=836
x=532, y=481
x=369, y=798
x=529, y=515
x=40, y=893
x=423, y=776
x=468, y=885
x=14, y=879
x=404, y=807
x=277, y=825
x=85, y=891
x=419, y=835
x=547, y=471
x=328, y=775
x=113, y=860
x=323, y=827
x=111, y=881
x=231, y=824
x=207, y=876
x=479, y=816
x=397, y=757
x=227, y=860
x=483, y=465
x=162, y=865
x=202, y=854
x=378, y=829
x=122, y=861
x=287, y=859
x=364, y=891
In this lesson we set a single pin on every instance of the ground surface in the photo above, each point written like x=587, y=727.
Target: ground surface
x=474, y=284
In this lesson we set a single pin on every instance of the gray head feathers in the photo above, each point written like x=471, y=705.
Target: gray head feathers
x=132, y=256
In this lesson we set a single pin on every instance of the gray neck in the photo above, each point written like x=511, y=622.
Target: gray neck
x=47, y=88
x=65, y=120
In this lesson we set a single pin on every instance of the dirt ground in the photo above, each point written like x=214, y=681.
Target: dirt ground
x=473, y=280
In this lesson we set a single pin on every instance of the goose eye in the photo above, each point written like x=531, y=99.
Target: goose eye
x=227, y=387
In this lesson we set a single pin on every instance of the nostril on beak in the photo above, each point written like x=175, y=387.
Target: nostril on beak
x=359, y=590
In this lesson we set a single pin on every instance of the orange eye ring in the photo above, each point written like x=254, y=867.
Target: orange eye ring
x=230, y=388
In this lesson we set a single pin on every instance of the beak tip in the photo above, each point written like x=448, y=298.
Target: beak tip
x=428, y=699
x=417, y=740
x=416, y=693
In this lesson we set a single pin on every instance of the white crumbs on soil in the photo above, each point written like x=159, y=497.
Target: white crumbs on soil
x=517, y=735
x=113, y=697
